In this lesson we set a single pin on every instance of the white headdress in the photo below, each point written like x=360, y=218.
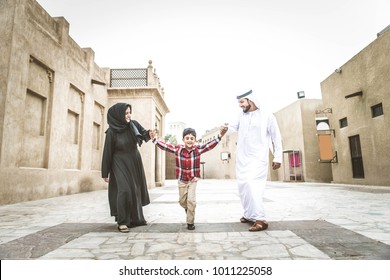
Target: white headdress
x=251, y=96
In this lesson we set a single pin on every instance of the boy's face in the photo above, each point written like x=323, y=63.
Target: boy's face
x=189, y=141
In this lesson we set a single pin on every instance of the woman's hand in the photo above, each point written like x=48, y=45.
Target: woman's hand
x=106, y=180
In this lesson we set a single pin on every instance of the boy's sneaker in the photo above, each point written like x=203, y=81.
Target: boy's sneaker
x=190, y=226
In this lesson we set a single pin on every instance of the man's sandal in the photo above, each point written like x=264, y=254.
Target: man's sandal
x=258, y=226
x=123, y=228
x=244, y=220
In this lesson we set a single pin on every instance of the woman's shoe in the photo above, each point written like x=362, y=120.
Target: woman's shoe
x=123, y=228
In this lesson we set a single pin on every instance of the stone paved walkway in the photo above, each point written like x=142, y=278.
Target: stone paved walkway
x=307, y=222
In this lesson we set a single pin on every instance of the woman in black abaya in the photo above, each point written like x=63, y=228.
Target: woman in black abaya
x=122, y=167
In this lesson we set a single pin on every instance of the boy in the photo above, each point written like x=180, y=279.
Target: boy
x=188, y=167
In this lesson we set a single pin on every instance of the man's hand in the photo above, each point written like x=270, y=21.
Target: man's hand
x=223, y=130
x=275, y=165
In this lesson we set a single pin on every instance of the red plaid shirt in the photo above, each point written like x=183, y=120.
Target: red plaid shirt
x=187, y=162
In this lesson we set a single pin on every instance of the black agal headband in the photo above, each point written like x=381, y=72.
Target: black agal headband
x=244, y=95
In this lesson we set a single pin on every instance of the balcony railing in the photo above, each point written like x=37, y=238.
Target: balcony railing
x=129, y=77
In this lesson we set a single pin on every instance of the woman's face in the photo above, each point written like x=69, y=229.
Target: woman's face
x=128, y=114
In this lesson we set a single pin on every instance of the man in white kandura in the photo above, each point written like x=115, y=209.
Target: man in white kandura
x=257, y=131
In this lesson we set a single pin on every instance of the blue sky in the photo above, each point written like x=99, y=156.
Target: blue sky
x=208, y=51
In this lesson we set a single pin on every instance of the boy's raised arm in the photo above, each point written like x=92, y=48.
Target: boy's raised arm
x=211, y=144
x=161, y=144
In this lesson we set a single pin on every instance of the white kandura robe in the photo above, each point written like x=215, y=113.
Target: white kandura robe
x=257, y=131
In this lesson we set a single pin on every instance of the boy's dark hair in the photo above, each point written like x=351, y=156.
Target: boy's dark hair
x=189, y=130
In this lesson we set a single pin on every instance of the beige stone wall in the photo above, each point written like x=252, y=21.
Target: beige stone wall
x=368, y=72
x=214, y=167
x=297, y=124
x=53, y=106
x=47, y=99
x=170, y=163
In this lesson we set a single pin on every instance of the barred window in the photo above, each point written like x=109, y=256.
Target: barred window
x=377, y=110
x=343, y=122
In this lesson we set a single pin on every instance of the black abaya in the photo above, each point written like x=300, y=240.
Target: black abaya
x=122, y=162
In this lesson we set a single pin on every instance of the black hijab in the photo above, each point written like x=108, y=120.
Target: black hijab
x=116, y=118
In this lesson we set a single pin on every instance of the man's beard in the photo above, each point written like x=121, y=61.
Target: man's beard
x=246, y=109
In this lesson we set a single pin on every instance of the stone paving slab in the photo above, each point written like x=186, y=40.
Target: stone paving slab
x=316, y=239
